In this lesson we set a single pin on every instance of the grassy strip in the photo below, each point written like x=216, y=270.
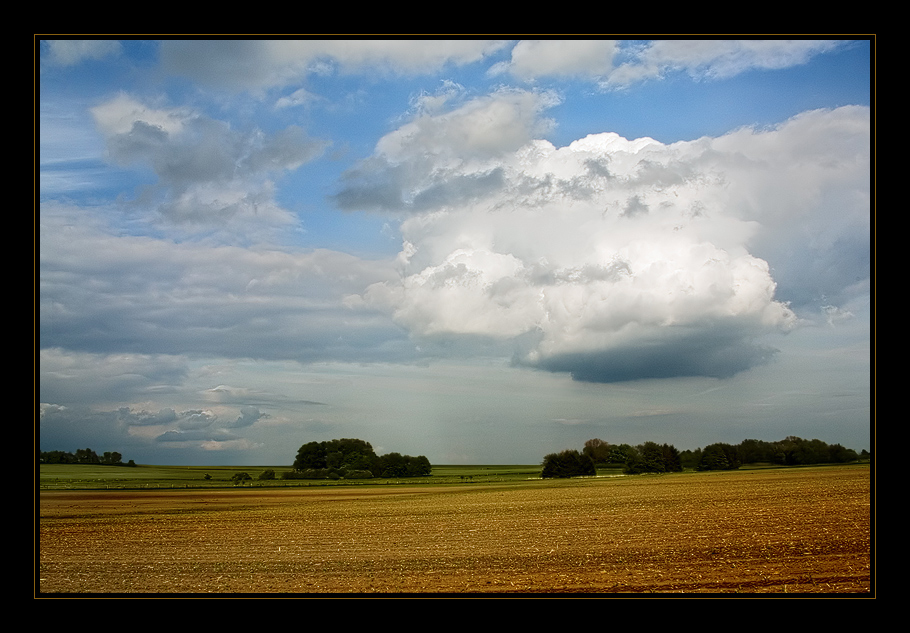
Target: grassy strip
x=82, y=477
x=94, y=477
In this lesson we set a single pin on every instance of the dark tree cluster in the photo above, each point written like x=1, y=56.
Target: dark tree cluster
x=568, y=463
x=353, y=459
x=790, y=451
x=652, y=457
x=83, y=456
x=649, y=457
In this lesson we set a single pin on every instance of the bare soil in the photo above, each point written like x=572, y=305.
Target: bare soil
x=774, y=531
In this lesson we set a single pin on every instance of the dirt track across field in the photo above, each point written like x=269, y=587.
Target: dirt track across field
x=774, y=531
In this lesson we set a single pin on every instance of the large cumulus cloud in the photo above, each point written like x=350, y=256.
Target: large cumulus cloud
x=616, y=259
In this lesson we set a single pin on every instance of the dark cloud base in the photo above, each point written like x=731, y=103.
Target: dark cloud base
x=693, y=357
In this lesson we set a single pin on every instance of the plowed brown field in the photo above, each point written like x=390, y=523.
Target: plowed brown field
x=793, y=530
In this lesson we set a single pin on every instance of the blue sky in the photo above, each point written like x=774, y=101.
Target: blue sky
x=477, y=251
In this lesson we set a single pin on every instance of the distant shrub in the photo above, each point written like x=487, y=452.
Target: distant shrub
x=239, y=478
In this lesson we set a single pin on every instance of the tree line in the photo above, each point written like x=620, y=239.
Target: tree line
x=83, y=456
x=790, y=451
x=350, y=458
x=651, y=457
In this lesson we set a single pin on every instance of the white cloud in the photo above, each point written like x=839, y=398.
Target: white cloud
x=590, y=59
x=617, y=63
x=207, y=172
x=807, y=186
x=612, y=258
x=403, y=56
x=299, y=97
x=248, y=416
x=106, y=292
x=480, y=128
x=442, y=155
x=118, y=116
x=139, y=376
x=72, y=52
x=259, y=64
x=262, y=64
x=834, y=315
x=715, y=59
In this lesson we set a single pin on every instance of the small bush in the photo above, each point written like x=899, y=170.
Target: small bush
x=239, y=478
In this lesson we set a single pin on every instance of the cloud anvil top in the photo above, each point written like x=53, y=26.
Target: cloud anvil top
x=452, y=247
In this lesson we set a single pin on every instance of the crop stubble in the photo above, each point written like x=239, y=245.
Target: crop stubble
x=798, y=531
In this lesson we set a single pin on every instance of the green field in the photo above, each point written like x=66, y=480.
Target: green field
x=95, y=477
x=83, y=477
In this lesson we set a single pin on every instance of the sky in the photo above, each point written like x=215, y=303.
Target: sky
x=480, y=251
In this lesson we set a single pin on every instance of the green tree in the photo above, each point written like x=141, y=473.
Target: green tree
x=652, y=457
x=719, y=457
x=838, y=454
x=393, y=465
x=58, y=457
x=597, y=450
x=267, y=474
x=311, y=455
x=671, y=458
x=83, y=456
x=620, y=454
x=755, y=451
x=353, y=458
x=86, y=456
x=346, y=453
x=811, y=452
x=568, y=463
x=690, y=458
x=112, y=458
x=419, y=466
